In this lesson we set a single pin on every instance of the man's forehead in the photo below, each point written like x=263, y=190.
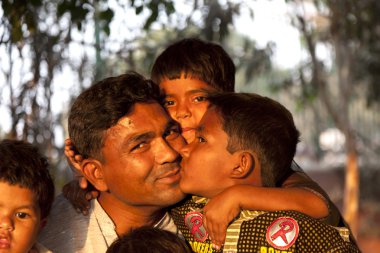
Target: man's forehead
x=141, y=111
x=125, y=121
x=144, y=116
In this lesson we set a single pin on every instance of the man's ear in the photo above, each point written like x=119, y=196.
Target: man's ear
x=93, y=171
x=244, y=166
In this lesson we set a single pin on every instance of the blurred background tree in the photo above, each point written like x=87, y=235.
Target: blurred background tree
x=351, y=29
x=52, y=50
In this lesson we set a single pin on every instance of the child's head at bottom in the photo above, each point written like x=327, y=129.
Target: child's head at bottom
x=27, y=193
x=149, y=239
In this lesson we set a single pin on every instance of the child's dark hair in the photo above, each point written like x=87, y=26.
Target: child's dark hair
x=260, y=124
x=149, y=240
x=206, y=61
x=22, y=164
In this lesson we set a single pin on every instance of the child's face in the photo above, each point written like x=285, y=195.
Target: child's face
x=20, y=219
x=206, y=162
x=186, y=102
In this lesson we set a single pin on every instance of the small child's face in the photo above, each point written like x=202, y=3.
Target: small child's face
x=206, y=163
x=186, y=102
x=20, y=218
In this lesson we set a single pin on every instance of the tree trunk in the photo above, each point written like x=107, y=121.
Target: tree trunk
x=345, y=81
x=351, y=191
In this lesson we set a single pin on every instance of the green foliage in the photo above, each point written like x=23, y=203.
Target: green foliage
x=42, y=31
x=358, y=24
x=155, y=7
x=20, y=17
x=352, y=26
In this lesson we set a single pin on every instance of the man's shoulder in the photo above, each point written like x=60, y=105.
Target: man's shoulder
x=64, y=225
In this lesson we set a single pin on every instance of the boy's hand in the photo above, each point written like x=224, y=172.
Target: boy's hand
x=218, y=214
x=79, y=192
x=78, y=197
x=74, y=159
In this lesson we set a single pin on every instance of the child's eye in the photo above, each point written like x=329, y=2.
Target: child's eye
x=200, y=99
x=168, y=103
x=22, y=215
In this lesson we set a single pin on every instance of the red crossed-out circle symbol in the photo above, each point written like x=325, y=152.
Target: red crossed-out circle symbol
x=282, y=233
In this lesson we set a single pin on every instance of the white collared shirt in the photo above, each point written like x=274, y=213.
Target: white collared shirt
x=68, y=231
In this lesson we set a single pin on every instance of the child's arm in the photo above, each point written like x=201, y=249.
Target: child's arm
x=79, y=191
x=78, y=197
x=224, y=207
x=74, y=160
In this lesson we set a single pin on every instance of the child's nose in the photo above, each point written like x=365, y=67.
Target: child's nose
x=6, y=223
x=182, y=111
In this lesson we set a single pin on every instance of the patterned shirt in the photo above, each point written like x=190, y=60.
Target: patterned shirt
x=262, y=232
x=68, y=231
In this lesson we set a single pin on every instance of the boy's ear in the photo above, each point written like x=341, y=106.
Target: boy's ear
x=93, y=171
x=244, y=165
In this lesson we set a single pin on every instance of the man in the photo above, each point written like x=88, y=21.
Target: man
x=128, y=144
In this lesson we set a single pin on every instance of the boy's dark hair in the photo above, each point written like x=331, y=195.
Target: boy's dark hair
x=149, y=240
x=206, y=61
x=260, y=124
x=102, y=105
x=22, y=164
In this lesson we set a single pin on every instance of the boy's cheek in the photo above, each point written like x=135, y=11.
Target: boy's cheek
x=189, y=136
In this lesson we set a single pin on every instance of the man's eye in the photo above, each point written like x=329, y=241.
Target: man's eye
x=171, y=133
x=200, y=139
x=22, y=215
x=139, y=146
x=168, y=103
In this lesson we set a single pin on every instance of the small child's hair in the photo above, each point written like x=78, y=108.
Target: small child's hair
x=149, y=240
x=22, y=164
x=257, y=123
x=206, y=61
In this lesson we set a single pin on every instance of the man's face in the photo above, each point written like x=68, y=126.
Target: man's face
x=206, y=162
x=141, y=164
x=186, y=102
x=20, y=218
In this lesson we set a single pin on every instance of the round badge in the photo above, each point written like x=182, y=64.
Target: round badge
x=193, y=221
x=282, y=233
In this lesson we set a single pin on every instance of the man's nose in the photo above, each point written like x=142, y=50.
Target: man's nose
x=165, y=153
x=6, y=223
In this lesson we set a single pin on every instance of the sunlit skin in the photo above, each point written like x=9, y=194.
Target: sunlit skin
x=206, y=163
x=20, y=218
x=185, y=101
x=141, y=167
